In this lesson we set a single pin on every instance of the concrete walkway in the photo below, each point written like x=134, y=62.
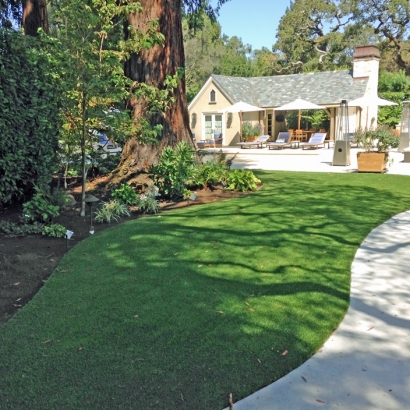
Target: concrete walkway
x=365, y=364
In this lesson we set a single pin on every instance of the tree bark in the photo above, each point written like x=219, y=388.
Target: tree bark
x=34, y=16
x=151, y=67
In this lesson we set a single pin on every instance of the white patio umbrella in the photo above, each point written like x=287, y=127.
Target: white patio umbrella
x=367, y=100
x=299, y=105
x=241, y=107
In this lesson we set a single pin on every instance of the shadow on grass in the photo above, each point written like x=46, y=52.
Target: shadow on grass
x=181, y=309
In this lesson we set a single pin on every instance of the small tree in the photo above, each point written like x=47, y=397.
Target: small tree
x=92, y=58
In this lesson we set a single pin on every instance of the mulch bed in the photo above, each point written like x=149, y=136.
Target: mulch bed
x=26, y=262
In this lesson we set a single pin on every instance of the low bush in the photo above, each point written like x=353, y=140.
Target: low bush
x=112, y=210
x=174, y=168
x=125, y=195
x=241, y=180
x=41, y=207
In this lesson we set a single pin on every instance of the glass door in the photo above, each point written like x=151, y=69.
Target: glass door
x=212, y=124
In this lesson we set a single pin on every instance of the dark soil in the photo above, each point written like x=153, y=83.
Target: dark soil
x=26, y=262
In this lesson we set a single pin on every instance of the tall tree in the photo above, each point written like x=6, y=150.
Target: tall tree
x=153, y=66
x=34, y=16
x=319, y=35
x=389, y=19
x=203, y=48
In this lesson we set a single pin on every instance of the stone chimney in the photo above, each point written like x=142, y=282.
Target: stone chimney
x=366, y=64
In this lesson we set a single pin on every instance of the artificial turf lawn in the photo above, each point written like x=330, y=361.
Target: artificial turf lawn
x=176, y=311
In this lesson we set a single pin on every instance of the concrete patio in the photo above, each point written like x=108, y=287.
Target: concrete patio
x=308, y=160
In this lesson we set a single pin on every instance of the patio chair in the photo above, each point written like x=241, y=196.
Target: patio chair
x=208, y=143
x=315, y=141
x=283, y=140
x=263, y=139
x=300, y=135
x=218, y=139
x=214, y=142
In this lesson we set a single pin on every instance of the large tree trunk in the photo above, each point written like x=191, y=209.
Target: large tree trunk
x=34, y=16
x=151, y=67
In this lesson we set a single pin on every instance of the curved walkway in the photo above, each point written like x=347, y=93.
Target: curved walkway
x=365, y=364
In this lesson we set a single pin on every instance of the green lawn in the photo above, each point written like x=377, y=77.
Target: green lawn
x=176, y=311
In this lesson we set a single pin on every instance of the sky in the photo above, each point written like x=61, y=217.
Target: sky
x=254, y=21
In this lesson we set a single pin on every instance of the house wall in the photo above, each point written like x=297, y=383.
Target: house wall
x=202, y=106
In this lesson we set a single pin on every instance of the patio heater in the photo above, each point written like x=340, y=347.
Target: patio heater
x=341, y=154
x=405, y=129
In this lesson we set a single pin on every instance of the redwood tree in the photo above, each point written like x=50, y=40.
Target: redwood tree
x=34, y=16
x=152, y=66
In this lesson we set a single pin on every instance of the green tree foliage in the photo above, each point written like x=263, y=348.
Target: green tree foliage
x=29, y=122
x=389, y=19
x=208, y=52
x=235, y=60
x=92, y=53
x=319, y=35
x=203, y=48
x=394, y=87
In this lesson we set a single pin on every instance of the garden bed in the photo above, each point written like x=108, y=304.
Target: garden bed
x=26, y=262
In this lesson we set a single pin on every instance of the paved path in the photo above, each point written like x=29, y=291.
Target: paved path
x=365, y=364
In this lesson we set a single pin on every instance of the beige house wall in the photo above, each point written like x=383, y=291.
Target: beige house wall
x=203, y=106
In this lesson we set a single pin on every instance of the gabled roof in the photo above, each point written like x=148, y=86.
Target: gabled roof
x=324, y=88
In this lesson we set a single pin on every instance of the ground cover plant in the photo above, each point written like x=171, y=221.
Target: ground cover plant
x=180, y=309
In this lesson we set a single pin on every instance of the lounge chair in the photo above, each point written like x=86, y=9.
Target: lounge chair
x=263, y=139
x=283, y=140
x=315, y=141
x=106, y=145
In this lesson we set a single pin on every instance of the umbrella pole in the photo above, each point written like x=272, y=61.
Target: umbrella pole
x=299, y=120
x=240, y=126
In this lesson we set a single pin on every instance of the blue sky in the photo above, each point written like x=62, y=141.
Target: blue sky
x=254, y=21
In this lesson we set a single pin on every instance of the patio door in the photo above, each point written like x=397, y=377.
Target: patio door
x=212, y=124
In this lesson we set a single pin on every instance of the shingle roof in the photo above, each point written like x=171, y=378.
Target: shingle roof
x=325, y=88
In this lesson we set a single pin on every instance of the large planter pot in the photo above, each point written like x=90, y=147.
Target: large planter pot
x=371, y=162
x=251, y=139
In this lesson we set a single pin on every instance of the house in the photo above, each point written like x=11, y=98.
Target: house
x=326, y=89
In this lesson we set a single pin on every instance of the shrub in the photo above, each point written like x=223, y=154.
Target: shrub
x=21, y=229
x=40, y=208
x=55, y=230
x=148, y=203
x=29, y=106
x=112, y=210
x=241, y=180
x=125, y=195
x=174, y=168
x=211, y=173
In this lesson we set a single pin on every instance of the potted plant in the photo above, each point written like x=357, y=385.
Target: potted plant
x=376, y=144
x=250, y=132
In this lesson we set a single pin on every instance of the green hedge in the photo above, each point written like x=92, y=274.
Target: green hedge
x=29, y=107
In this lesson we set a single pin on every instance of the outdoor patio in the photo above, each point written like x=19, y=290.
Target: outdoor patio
x=309, y=160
